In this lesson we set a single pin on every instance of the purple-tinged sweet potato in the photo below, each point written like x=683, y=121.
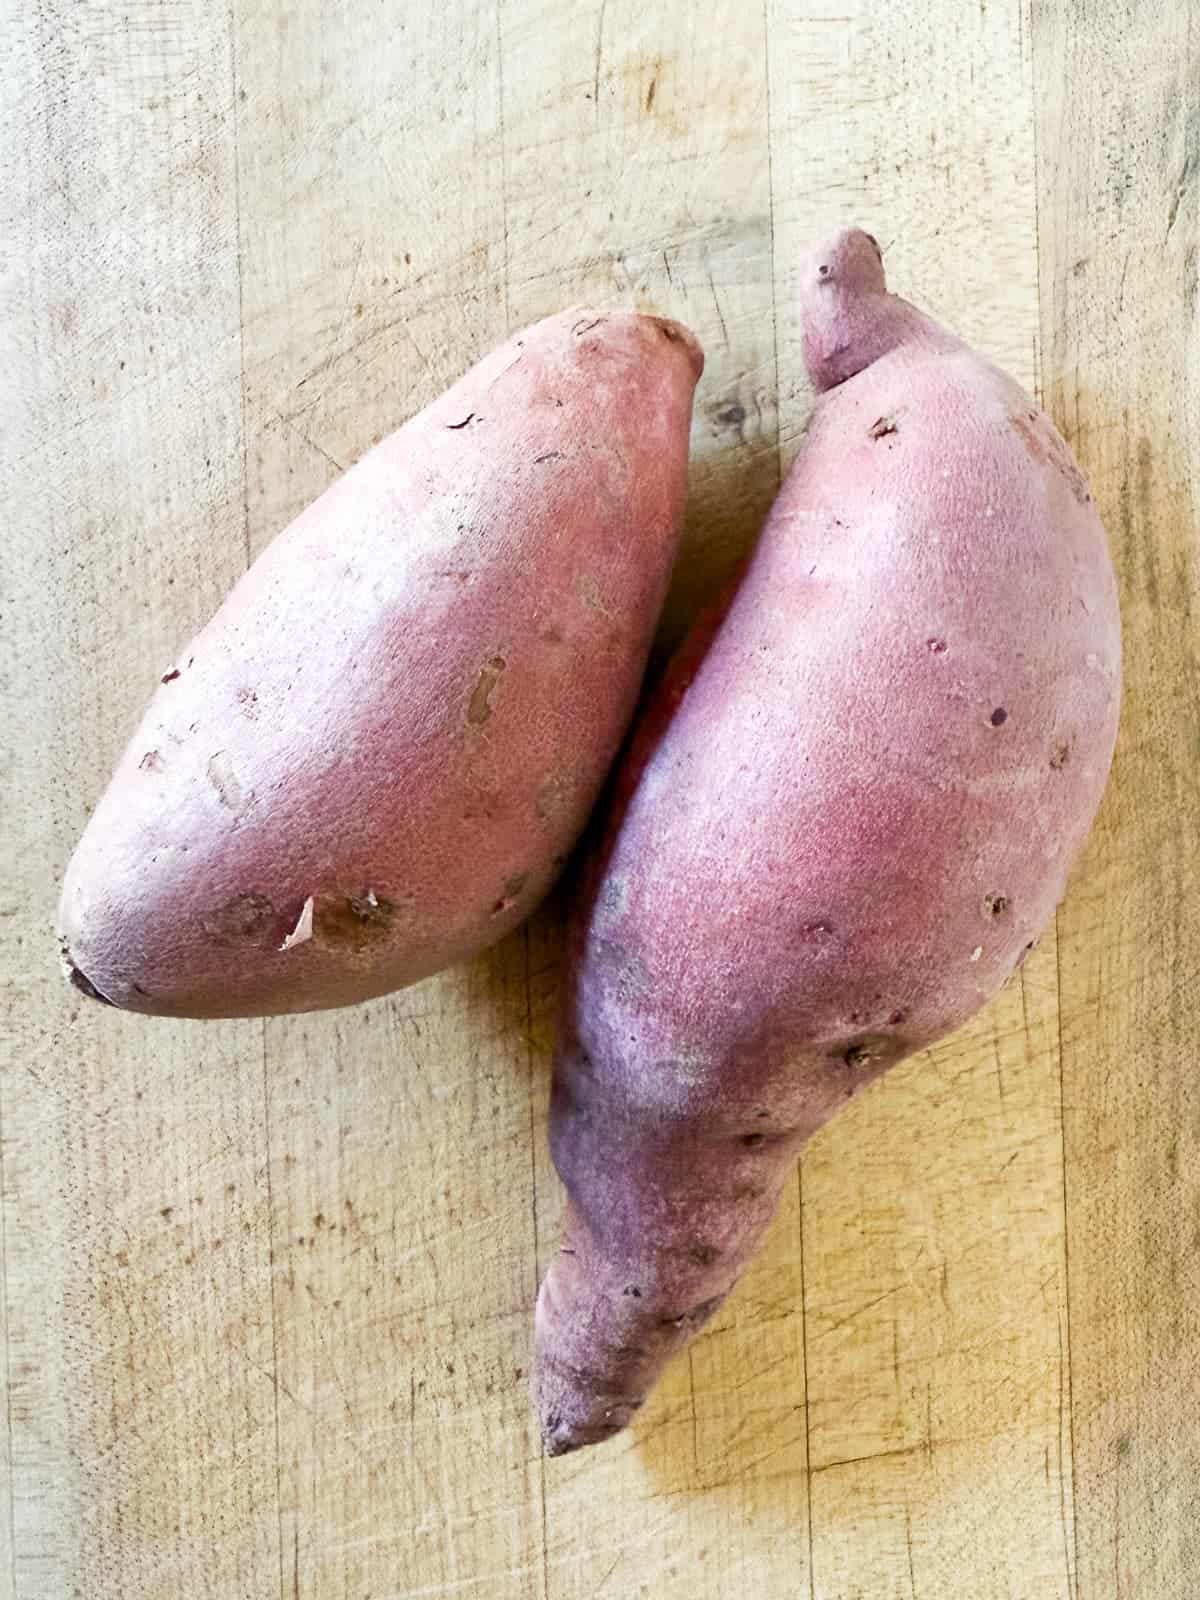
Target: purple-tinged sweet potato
x=375, y=758
x=847, y=813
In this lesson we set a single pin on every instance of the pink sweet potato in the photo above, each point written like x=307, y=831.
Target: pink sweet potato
x=851, y=807
x=375, y=758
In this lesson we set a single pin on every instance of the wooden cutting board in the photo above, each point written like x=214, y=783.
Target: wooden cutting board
x=265, y=1325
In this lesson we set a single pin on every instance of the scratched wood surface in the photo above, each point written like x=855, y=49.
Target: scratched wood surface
x=265, y=1320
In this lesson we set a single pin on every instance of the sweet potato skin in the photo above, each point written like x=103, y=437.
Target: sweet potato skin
x=375, y=758
x=847, y=813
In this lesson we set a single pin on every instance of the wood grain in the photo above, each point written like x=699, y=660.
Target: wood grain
x=136, y=1251
x=267, y=1290
x=1118, y=122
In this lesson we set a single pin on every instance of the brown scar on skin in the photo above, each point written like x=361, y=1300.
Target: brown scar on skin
x=480, y=708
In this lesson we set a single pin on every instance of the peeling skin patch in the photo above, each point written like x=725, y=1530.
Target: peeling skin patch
x=303, y=930
x=245, y=918
x=551, y=455
x=225, y=781
x=480, y=707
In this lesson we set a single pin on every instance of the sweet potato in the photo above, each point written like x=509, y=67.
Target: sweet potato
x=845, y=816
x=374, y=759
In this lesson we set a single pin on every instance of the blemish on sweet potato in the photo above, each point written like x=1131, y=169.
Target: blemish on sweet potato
x=80, y=980
x=585, y=325
x=512, y=890
x=372, y=908
x=354, y=923
x=998, y=717
x=240, y=919
x=882, y=427
x=455, y=426
x=1045, y=446
x=995, y=905
x=152, y=761
x=754, y=1141
x=550, y=798
x=480, y=707
x=1060, y=757
x=169, y=677
x=593, y=596
x=1023, y=427
x=551, y=455
x=702, y=1255
x=224, y=780
x=868, y=1051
